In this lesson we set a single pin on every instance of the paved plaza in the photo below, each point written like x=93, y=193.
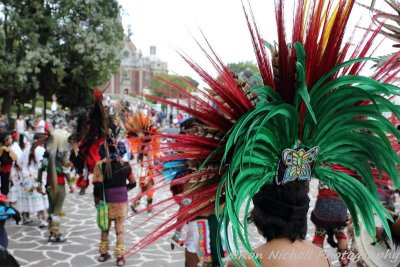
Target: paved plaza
x=29, y=244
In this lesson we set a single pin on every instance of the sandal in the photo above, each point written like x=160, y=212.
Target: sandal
x=121, y=262
x=57, y=239
x=103, y=257
x=43, y=225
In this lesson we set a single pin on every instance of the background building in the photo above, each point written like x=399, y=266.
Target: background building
x=136, y=70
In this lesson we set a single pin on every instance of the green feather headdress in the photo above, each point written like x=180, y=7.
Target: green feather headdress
x=314, y=107
x=312, y=97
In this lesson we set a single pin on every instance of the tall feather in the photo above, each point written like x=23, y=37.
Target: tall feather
x=215, y=111
x=93, y=131
x=327, y=114
x=317, y=98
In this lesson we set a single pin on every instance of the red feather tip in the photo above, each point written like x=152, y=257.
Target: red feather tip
x=97, y=94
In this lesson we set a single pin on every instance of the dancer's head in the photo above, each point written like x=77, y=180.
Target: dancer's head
x=280, y=211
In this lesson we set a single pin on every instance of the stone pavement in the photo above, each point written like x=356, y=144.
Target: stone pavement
x=29, y=244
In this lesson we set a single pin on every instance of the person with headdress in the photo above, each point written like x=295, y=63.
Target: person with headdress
x=146, y=184
x=58, y=175
x=265, y=144
x=199, y=241
x=193, y=192
x=140, y=126
x=177, y=240
x=330, y=219
x=280, y=216
x=111, y=174
x=91, y=133
x=326, y=107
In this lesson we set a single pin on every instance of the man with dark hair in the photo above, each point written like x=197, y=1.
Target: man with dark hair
x=111, y=174
x=280, y=215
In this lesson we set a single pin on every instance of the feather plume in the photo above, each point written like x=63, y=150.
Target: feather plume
x=313, y=95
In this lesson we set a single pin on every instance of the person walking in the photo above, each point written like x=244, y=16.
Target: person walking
x=111, y=175
x=330, y=219
x=146, y=184
x=32, y=196
x=81, y=170
x=20, y=126
x=58, y=173
x=7, y=157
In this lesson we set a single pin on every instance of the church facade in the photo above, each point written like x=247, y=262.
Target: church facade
x=136, y=70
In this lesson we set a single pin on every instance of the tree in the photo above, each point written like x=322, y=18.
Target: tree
x=14, y=41
x=162, y=90
x=66, y=47
x=90, y=46
x=241, y=66
x=246, y=71
x=193, y=81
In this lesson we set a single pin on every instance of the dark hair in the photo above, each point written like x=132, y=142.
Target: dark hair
x=280, y=211
x=187, y=124
x=6, y=259
x=115, y=150
x=31, y=156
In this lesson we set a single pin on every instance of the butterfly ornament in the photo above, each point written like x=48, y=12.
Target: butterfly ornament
x=297, y=164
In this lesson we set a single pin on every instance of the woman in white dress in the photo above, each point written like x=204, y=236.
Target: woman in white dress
x=15, y=171
x=33, y=197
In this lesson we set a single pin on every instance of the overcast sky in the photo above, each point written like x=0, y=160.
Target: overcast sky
x=174, y=24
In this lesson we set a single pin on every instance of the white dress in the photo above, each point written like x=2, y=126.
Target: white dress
x=30, y=200
x=20, y=126
x=41, y=128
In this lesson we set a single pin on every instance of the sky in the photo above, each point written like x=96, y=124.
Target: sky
x=177, y=24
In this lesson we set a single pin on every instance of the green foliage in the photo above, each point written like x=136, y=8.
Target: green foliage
x=160, y=88
x=90, y=44
x=242, y=66
x=246, y=71
x=65, y=47
x=193, y=81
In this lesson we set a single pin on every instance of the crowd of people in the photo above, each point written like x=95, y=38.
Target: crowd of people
x=28, y=192
x=43, y=160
